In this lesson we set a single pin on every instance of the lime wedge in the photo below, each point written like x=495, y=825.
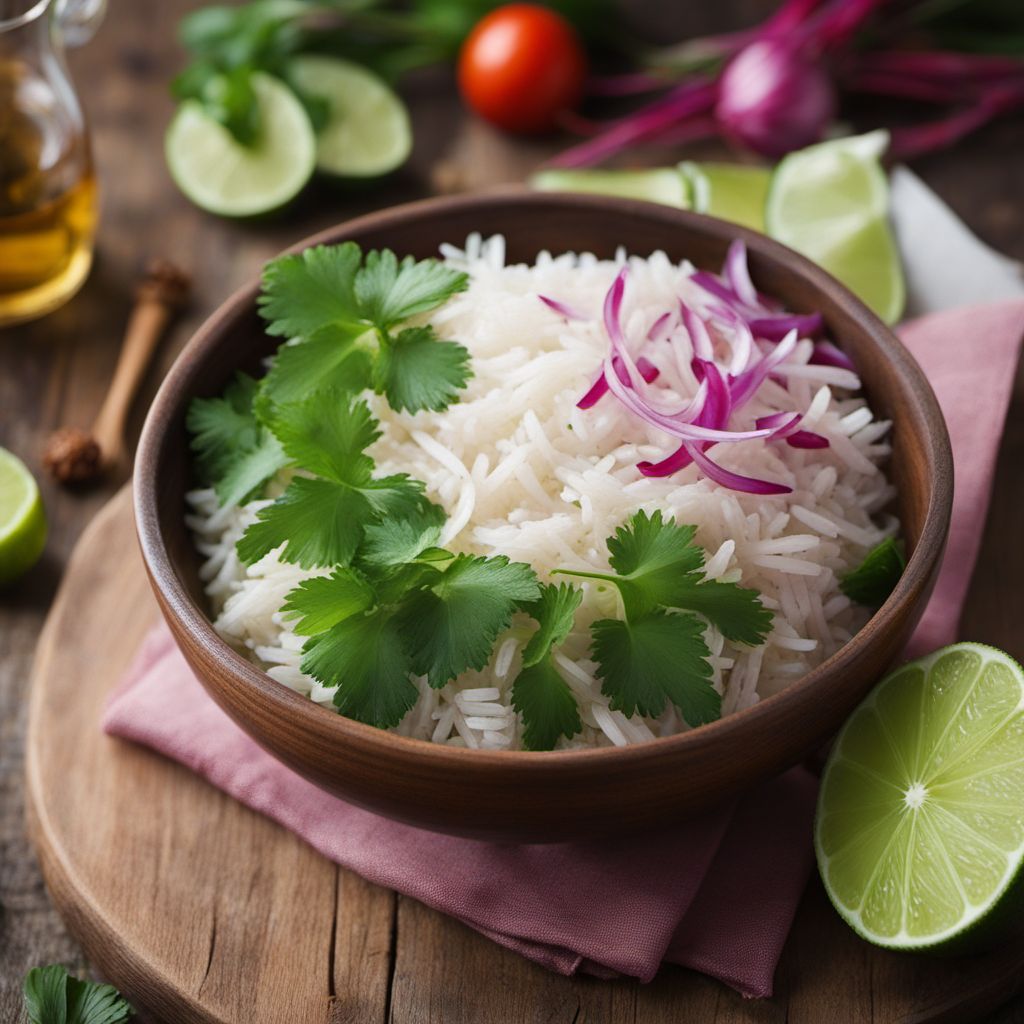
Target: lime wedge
x=22, y=519
x=920, y=825
x=220, y=175
x=831, y=203
x=657, y=185
x=367, y=131
x=733, y=192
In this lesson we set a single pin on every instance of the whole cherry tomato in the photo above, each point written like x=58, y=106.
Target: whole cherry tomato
x=520, y=66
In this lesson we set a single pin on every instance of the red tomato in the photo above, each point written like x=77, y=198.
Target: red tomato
x=520, y=66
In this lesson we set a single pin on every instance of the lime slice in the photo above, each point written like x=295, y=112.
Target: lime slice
x=220, y=175
x=658, y=185
x=367, y=131
x=831, y=203
x=920, y=825
x=22, y=519
x=733, y=192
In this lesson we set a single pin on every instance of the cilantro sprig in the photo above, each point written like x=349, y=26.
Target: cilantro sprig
x=341, y=310
x=876, y=577
x=341, y=318
x=657, y=652
x=320, y=519
x=403, y=612
x=52, y=996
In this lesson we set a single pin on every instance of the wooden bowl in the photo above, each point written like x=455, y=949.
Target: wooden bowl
x=519, y=796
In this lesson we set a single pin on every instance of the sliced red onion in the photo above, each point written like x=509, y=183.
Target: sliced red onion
x=775, y=328
x=747, y=383
x=737, y=274
x=806, y=439
x=599, y=388
x=698, y=331
x=660, y=327
x=734, y=481
x=742, y=340
x=562, y=308
x=826, y=354
x=781, y=423
x=713, y=285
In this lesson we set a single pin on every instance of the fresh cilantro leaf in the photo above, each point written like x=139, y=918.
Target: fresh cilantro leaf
x=735, y=611
x=305, y=292
x=396, y=541
x=234, y=451
x=539, y=692
x=873, y=580
x=323, y=601
x=451, y=625
x=417, y=370
x=328, y=435
x=365, y=657
x=390, y=291
x=658, y=565
x=333, y=358
x=321, y=521
x=659, y=655
x=547, y=705
x=52, y=996
x=554, y=610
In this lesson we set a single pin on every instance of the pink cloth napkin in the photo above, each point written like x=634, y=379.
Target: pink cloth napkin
x=716, y=894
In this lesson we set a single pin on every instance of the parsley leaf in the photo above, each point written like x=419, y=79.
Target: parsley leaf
x=390, y=291
x=320, y=521
x=304, y=292
x=539, y=692
x=451, y=625
x=873, y=580
x=234, y=451
x=323, y=601
x=366, y=658
x=341, y=309
x=52, y=996
x=656, y=656
x=393, y=542
x=417, y=370
x=735, y=611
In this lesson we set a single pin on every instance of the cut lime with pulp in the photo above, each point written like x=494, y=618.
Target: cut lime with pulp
x=920, y=827
x=367, y=130
x=224, y=177
x=22, y=519
x=733, y=192
x=831, y=203
x=657, y=185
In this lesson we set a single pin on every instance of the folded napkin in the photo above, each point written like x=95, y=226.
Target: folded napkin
x=716, y=894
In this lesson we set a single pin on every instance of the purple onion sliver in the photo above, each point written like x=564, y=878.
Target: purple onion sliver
x=734, y=481
x=806, y=439
x=679, y=459
x=562, y=308
x=775, y=328
x=826, y=354
x=782, y=423
x=736, y=273
x=713, y=286
x=698, y=331
x=659, y=327
x=599, y=388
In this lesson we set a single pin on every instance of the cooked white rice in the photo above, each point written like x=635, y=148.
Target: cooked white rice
x=522, y=472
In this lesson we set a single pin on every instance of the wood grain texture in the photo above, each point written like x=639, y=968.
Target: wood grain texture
x=56, y=372
x=203, y=911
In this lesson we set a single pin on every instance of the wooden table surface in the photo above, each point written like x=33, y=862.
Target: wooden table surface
x=55, y=372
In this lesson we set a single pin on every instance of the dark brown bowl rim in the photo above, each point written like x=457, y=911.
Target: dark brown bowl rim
x=177, y=602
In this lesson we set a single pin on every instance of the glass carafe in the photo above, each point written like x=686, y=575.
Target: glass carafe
x=48, y=199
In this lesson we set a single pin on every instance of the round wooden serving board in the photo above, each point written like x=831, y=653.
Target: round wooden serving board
x=202, y=911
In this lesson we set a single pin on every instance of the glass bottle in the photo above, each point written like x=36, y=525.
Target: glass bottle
x=48, y=202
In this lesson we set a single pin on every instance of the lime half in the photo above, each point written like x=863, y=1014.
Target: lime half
x=831, y=203
x=220, y=175
x=22, y=520
x=920, y=826
x=367, y=132
x=733, y=192
x=657, y=185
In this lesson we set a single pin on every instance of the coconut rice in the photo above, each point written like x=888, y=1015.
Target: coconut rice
x=522, y=472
